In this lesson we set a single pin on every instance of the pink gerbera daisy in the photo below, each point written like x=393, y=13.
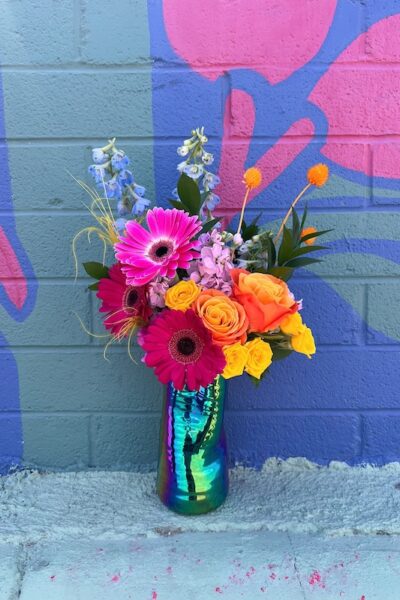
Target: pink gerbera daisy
x=166, y=246
x=125, y=304
x=181, y=350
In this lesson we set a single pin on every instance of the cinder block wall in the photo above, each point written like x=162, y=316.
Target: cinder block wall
x=282, y=88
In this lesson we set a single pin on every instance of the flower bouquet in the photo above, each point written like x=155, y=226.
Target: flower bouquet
x=207, y=302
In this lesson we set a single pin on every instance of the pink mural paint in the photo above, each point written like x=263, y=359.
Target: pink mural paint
x=239, y=119
x=273, y=38
x=11, y=275
x=369, y=103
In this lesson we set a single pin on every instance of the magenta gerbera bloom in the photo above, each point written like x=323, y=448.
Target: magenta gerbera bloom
x=125, y=304
x=180, y=349
x=166, y=246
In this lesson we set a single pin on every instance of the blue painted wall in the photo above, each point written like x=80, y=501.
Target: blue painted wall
x=74, y=74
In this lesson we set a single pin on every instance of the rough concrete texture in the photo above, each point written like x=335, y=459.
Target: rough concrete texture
x=292, y=531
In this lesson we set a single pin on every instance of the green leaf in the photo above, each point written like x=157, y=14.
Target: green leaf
x=177, y=204
x=247, y=231
x=210, y=225
x=96, y=270
x=304, y=217
x=280, y=353
x=309, y=236
x=93, y=286
x=295, y=228
x=271, y=252
x=286, y=247
x=304, y=250
x=189, y=194
x=283, y=273
x=301, y=262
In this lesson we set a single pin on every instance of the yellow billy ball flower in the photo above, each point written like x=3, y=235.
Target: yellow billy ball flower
x=182, y=295
x=259, y=358
x=304, y=342
x=318, y=175
x=292, y=324
x=236, y=357
x=252, y=178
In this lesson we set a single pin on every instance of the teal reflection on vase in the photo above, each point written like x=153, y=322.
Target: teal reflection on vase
x=192, y=470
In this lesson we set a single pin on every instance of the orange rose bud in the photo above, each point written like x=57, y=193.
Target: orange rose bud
x=307, y=231
x=265, y=298
x=252, y=178
x=318, y=175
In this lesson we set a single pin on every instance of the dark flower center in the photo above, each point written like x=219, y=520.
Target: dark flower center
x=131, y=298
x=186, y=346
x=161, y=250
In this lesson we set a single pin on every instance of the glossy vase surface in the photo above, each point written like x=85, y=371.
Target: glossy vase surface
x=192, y=470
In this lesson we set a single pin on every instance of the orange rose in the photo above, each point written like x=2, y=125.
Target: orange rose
x=265, y=298
x=224, y=317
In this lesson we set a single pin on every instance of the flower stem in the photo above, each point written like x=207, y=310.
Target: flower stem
x=289, y=212
x=243, y=209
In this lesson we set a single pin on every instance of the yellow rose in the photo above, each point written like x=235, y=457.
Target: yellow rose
x=304, y=342
x=259, y=357
x=292, y=324
x=182, y=295
x=236, y=358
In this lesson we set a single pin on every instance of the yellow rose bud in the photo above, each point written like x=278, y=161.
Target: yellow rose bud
x=304, y=342
x=182, y=295
x=292, y=324
x=236, y=357
x=259, y=358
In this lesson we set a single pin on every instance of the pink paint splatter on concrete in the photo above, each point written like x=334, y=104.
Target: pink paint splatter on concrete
x=316, y=579
x=115, y=578
x=250, y=572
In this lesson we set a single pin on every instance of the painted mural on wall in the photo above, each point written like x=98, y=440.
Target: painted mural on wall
x=303, y=98
x=298, y=84
x=17, y=298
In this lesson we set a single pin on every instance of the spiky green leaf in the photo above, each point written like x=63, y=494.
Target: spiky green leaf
x=297, y=263
x=310, y=236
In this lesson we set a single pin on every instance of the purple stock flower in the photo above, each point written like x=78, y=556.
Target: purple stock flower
x=212, y=268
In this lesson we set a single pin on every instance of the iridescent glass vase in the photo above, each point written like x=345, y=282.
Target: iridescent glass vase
x=192, y=470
